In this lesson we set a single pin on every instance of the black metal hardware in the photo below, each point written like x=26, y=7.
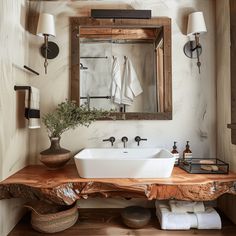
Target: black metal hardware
x=52, y=50
x=194, y=166
x=190, y=49
x=27, y=114
x=31, y=70
x=96, y=97
x=82, y=67
x=22, y=88
x=122, y=108
x=124, y=140
x=138, y=139
x=122, y=14
x=193, y=49
x=111, y=139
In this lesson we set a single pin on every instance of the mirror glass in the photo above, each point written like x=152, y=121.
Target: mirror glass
x=125, y=68
x=118, y=70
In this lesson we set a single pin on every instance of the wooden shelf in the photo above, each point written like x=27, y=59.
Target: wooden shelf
x=231, y=126
x=64, y=186
x=104, y=222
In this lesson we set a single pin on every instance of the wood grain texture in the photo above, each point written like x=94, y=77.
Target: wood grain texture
x=233, y=68
x=75, y=63
x=231, y=126
x=65, y=186
x=110, y=33
x=108, y=222
x=226, y=22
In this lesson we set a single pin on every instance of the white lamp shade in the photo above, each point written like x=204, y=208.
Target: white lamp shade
x=46, y=25
x=196, y=23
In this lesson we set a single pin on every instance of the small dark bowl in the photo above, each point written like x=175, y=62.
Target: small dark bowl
x=135, y=216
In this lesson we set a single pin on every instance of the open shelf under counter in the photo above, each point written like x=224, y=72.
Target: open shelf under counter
x=64, y=186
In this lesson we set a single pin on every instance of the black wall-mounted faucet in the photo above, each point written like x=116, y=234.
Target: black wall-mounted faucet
x=138, y=139
x=111, y=139
x=124, y=140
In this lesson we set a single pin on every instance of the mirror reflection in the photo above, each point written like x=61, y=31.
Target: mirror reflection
x=122, y=69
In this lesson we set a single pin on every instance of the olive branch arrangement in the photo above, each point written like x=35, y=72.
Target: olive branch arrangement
x=68, y=115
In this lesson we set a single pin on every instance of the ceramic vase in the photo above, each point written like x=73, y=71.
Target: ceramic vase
x=55, y=157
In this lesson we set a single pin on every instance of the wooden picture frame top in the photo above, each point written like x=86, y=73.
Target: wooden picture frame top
x=77, y=22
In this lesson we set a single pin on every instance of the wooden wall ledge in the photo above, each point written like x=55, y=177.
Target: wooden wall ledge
x=65, y=186
x=231, y=126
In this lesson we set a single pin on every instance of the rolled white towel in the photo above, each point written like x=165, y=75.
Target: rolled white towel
x=174, y=221
x=186, y=206
x=209, y=219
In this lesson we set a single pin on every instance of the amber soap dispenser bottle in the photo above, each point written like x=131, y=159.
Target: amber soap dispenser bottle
x=187, y=154
x=175, y=154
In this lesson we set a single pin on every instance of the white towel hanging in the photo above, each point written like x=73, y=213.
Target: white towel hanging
x=116, y=81
x=130, y=84
x=32, y=111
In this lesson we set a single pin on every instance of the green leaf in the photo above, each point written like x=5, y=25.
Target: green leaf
x=68, y=115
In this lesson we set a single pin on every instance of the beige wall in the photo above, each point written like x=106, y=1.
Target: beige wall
x=225, y=149
x=14, y=136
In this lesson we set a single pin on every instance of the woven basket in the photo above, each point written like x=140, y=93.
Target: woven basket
x=48, y=218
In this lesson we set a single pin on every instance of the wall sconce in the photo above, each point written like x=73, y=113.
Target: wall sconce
x=46, y=29
x=196, y=26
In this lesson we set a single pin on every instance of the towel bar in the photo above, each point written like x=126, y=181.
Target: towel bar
x=96, y=97
x=24, y=88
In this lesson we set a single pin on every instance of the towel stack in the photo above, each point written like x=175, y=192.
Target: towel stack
x=183, y=215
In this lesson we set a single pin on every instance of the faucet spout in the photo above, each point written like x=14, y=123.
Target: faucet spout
x=124, y=140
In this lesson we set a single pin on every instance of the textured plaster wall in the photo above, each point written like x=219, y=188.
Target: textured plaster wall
x=194, y=94
x=225, y=149
x=14, y=136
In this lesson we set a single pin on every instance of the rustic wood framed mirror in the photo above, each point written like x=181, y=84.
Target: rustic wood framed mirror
x=124, y=65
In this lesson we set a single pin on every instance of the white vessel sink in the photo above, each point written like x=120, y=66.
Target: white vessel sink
x=124, y=163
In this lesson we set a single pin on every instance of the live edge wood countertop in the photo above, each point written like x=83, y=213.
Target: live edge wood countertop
x=64, y=186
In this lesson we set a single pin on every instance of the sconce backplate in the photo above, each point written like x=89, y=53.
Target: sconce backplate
x=188, y=49
x=52, y=51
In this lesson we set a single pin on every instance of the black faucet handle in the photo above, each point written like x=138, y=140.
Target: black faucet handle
x=111, y=139
x=124, y=139
x=138, y=139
